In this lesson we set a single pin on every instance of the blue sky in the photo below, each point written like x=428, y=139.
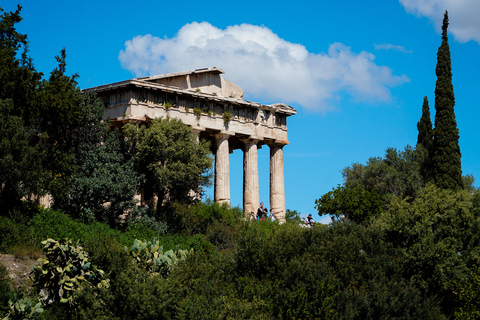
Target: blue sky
x=356, y=71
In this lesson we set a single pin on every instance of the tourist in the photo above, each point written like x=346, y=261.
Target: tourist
x=262, y=212
x=309, y=221
x=273, y=216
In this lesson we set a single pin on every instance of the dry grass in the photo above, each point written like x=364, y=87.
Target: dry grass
x=26, y=252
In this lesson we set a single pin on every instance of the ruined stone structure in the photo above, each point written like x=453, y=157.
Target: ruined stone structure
x=213, y=107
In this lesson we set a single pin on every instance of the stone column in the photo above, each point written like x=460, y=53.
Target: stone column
x=222, y=169
x=277, y=184
x=192, y=193
x=251, y=196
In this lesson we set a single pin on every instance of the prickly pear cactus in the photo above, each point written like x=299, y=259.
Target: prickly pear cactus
x=150, y=256
x=22, y=307
x=64, y=272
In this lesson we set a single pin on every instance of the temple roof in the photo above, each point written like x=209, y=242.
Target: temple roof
x=206, y=84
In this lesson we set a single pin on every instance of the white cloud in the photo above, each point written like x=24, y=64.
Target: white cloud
x=463, y=16
x=388, y=46
x=264, y=65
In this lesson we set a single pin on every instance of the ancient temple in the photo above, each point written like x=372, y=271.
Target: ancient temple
x=214, y=108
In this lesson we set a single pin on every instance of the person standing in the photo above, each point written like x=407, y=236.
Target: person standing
x=262, y=212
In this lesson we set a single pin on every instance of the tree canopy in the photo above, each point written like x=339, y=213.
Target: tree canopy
x=175, y=163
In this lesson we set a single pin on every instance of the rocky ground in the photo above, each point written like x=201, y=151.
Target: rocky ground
x=19, y=269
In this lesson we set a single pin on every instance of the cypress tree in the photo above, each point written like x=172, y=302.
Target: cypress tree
x=425, y=140
x=447, y=168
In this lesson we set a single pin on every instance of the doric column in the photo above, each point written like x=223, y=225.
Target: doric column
x=277, y=186
x=222, y=169
x=251, y=196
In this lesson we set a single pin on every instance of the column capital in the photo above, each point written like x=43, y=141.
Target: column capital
x=277, y=144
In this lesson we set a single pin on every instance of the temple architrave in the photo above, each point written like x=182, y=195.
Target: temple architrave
x=214, y=108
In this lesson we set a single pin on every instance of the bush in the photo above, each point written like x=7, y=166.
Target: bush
x=178, y=241
x=22, y=307
x=195, y=219
x=9, y=234
x=16, y=227
x=437, y=236
x=54, y=224
x=66, y=269
x=132, y=294
x=5, y=286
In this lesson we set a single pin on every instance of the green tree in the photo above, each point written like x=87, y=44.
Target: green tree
x=293, y=216
x=368, y=189
x=425, y=140
x=19, y=81
x=20, y=153
x=438, y=236
x=20, y=158
x=356, y=204
x=424, y=126
x=175, y=164
x=398, y=173
x=62, y=110
x=105, y=172
x=447, y=168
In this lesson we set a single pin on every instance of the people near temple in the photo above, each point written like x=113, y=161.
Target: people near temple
x=309, y=221
x=262, y=212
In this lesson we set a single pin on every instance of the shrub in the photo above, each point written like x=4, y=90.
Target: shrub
x=132, y=294
x=54, y=224
x=195, y=219
x=227, y=116
x=140, y=218
x=5, y=286
x=150, y=256
x=177, y=241
x=16, y=227
x=9, y=234
x=65, y=270
x=22, y=307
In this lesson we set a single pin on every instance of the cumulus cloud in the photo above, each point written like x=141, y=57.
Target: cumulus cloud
x=463, y=15
x=388, y=46
x=264, y=65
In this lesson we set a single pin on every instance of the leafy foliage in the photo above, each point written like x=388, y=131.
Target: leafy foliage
x=105, y=183
x=368, y=189
x=18, y=78
x=174, y=163
x=356, y=204
x=54, y=224
x=438, y=237
x=293, y=216
x=395, y=174
x=216, y=222
x=467, y=292
x=20, y=155
x=149, y=255
x=22, y=307
x=65, y=270
x=5, y=286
